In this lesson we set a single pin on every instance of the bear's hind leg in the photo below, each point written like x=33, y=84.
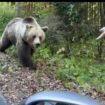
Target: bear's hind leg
x=4, y=44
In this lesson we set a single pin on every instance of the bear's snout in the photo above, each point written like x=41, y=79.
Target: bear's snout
x=37, y=45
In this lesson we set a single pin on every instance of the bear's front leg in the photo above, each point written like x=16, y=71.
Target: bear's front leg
x=24, y=54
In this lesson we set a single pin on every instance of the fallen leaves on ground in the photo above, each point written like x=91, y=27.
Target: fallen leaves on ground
x=18, y=83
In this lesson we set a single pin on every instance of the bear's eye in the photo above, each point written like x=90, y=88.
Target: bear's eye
x=33, y=36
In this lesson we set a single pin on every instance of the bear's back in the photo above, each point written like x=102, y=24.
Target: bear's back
x=11, y=29
x=14, y=21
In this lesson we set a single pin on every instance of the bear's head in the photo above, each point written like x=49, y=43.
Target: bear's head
x=34, y=34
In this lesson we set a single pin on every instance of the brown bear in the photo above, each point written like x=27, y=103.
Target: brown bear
x=26, y=34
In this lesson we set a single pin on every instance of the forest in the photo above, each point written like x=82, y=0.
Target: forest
x=70, y=53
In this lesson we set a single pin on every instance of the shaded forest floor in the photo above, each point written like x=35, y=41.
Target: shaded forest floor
x=17, y=82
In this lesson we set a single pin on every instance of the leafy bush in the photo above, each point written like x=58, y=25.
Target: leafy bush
x=82, y=67
x=77, y=22
x=6, y=14
x=54, y=36
x=42, y=52
x=83, y=73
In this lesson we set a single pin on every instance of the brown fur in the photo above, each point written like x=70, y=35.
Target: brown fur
x=21, y=32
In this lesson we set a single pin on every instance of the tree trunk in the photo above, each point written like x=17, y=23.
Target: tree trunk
x=100, y=46
x=18, y=9
x=12, y=3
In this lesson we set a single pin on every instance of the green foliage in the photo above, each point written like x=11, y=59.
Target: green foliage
x=70, y=11
x=82, y=67
x=85, y=48
x=12, y=50
x=38, y=9
x=42, y=52
x=0, y=68
x=6, y=14
x=80, y=23
x=81, y=72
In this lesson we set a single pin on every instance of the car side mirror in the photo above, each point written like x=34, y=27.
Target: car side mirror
x=59, y=98
x=3, y=100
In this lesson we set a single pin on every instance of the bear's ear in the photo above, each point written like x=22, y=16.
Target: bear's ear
x=45, y=28
x=28, y=19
